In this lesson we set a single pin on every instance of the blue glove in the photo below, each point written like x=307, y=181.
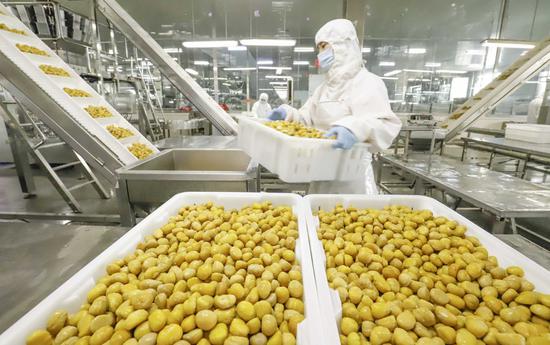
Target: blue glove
x=277, y=114
x=345, y=139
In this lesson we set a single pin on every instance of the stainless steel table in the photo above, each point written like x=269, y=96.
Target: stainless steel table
x=529, y=151
x=36, y=258
x=533, y=251
x=502, y=195
x=207, y=141
x=542, y=150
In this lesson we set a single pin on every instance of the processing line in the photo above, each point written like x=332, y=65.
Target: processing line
x=52, y=90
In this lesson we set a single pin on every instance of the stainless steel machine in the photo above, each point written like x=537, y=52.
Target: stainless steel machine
x=149, y=183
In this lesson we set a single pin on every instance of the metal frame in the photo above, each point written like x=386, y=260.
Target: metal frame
x=74, y=217
x=21, y=145
x=168, y=67
x=521, y=153
x=37, y=100
x=419, y=187
x=407, y=138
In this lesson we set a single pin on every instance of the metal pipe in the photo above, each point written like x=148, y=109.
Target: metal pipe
x=75, y=217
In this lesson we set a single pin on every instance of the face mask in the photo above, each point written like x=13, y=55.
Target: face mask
x=326, y=59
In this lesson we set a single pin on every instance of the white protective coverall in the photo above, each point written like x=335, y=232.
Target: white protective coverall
x=261, y=108
x=351, y=97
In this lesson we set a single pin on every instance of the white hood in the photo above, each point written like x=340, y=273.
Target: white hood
x=341, y=35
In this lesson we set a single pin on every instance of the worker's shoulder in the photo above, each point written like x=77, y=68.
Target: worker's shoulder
x=364, y=74
x=366, y=78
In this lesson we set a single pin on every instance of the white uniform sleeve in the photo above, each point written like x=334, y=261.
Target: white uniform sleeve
x=371, y=119
x=305, y=113
x=254, y=110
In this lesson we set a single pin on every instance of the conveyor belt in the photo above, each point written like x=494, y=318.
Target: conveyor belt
x=525, y=67
x=168, y=67
x=44, y=95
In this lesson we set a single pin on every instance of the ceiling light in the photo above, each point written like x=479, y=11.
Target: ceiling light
x=278, y=83
x=265, y=89
x=274, y=68
x=387, y=63
x=389, y=78
x=365, y=50
x=209, y=44
x=433, y=64
x=191, y=71
x=172, y=50
x=304, y=49
x=236, y=48
x=264, y=62
x=474, y=52
x=508, y=44
x=417, y=79
x=201, y=63
x=239, y=69
x=394, y=72
x=268, y=42
x=226, y=84
x=416, y=51
x=476, y=66
x=417, y=71
x=449, y=71
x=278, y=77
x=302, y=63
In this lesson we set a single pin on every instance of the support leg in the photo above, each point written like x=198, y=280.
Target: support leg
x=457, y=203
x=491, y=157
x=514, y=226
x=57, y=183
x=464, y=150
x=22, y=164
x=419, y=188
x=91, y=176
x=407, y=141
x=498, y=226
x=524, y=168
x=125, y=208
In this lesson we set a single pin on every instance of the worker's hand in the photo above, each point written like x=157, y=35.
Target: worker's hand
x=345, y=139
x=277, y=114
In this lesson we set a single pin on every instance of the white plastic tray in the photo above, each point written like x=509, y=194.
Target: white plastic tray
x=70, y=295
x=53, y=85
x=299, y=159
x=539, y=134
x=507, y=256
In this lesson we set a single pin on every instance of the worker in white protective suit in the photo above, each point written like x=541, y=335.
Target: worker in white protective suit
x=261, y=108
x=351, y=104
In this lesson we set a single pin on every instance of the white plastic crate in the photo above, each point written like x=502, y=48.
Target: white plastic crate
x=72, y=293
x=297, y=159
x=539, y=134
x=332, y=312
